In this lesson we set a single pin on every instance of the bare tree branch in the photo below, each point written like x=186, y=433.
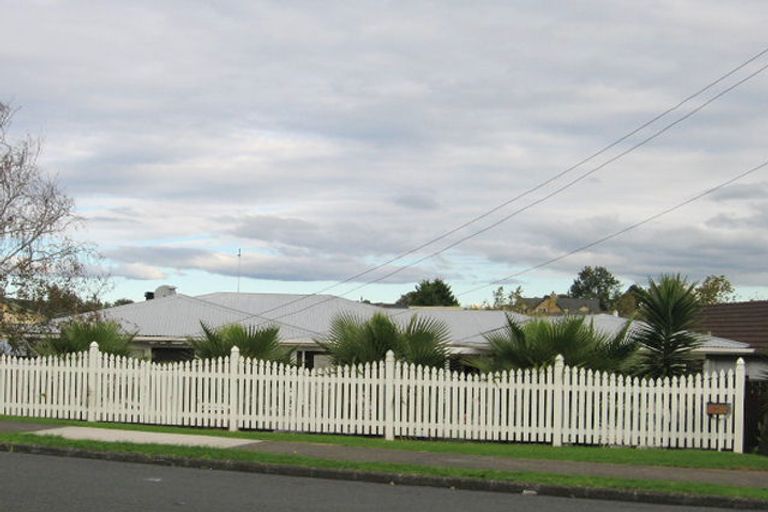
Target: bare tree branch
x=37, y=252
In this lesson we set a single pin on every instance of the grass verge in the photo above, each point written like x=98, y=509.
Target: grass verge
x=219, y=454
x=632, y=456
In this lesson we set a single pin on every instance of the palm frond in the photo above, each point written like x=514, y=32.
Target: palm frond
x=668, y=309
x=353, y=340
x=537, y=343
x=77, y=336
x=253, y=342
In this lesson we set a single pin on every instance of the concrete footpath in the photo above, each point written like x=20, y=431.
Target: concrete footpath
x=745, y=478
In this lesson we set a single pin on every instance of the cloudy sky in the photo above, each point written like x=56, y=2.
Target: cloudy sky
x=326, y=138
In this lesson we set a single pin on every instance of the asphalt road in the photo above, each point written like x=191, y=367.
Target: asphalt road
x=32, y=483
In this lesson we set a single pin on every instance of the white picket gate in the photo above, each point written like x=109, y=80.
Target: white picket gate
x=554, y=405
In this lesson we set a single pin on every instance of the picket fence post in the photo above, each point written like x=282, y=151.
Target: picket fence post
x=145, y=396
x=234, y=370
x=557, y=402
x=389, y=395
x=738, y=407
x=94, y=361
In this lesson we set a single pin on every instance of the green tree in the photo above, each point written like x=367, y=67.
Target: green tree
x=626, y=304
x=512, y=301
x=715, y=290
x=596, y=283
x=119, y=302
x=353, y=340
x=668, y=310
x=536, y=343
x=77, y=336
x=253, y=342
x=57, y=301
x=429, y=293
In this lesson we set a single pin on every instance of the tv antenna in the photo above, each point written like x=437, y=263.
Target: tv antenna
x=239, y=257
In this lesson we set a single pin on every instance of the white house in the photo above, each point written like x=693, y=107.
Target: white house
x=163, y=325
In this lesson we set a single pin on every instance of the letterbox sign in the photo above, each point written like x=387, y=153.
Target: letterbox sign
x=718, y=408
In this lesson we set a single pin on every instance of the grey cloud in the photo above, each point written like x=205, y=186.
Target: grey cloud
x=742, y=191
x=332, y=237
x=417, y=201
x=693, y=250
x=333, y=138
x=172, y=257
x=137, y=271
x=279, y=267
x=755, y=221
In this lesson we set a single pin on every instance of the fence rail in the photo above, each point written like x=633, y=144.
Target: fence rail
x=555, y=405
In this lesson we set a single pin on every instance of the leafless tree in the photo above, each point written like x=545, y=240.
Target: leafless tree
x=37, y=221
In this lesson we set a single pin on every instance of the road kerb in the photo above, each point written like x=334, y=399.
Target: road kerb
x=471, y=484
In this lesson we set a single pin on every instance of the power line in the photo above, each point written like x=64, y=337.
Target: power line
x=535, y=188
x=616, y=233
x=579, y=249
x=250, y=315
x=567, y=185
x=525, y=208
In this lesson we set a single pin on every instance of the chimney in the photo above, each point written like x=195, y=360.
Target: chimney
x=164, y=291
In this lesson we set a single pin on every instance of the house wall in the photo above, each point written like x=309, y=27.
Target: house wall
x=757, y=368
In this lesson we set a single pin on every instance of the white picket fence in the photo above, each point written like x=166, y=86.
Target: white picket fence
x=554, y=405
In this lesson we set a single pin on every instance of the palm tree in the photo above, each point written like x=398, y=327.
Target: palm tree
x=352, y=340
x=668, y=310
x=77, y=336
x=536, y=343
x=254, y=343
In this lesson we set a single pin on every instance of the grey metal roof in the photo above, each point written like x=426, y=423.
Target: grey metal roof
x=302, y=318
x=612, y=324
x=466, y=325
x=179, y=316
x=310, y=314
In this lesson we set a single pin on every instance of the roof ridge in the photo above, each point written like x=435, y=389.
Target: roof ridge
x=246, y=315
x=274, y=293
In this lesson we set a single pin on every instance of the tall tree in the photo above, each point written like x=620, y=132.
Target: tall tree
x=626, y=304
x=668, y=310
x=37, y=249
x=429, y=293
x=512, y=301
x=596, y=283
x=715, y=290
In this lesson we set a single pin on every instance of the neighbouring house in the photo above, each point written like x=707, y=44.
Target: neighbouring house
x=17, y=312
x=555, y=304
x=164, y=325
x=746, y=322
x=15, y=315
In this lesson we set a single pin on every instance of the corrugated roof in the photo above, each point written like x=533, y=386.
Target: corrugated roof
x=611, y=324
x=178, y=316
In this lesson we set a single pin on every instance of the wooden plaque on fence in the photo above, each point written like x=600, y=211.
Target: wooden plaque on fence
x=718, y=409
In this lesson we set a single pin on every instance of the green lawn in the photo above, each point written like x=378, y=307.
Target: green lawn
x=651, y=457
x=519, y=477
